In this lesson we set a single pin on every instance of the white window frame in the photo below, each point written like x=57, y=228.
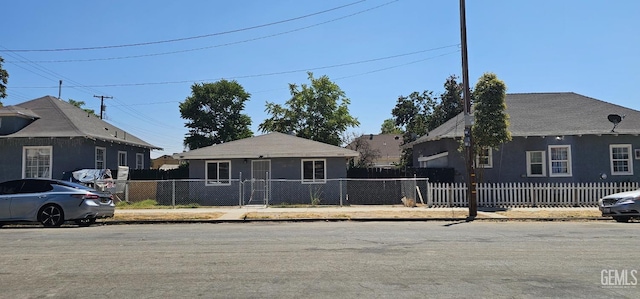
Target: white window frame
x=569, y=172
x=543, y=163
x=629, y=159
x=24, y=160
x=139, y=161
x=122, y=162
x=217, y=181
x=314, y=180
x=104, y=157
x=489, y=163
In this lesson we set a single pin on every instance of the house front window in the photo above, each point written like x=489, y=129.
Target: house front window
x=621, y=160
x=560, y=160
x=37, y=161
x=485, y=158
x=314, y=171
x=536, y=164
x=122, y=158
x=101, y=158
x=139, y=161
x=218, y=173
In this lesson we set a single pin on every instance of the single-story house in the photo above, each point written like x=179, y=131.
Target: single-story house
x=49, y=138
x=165, y=162
x=298, y=170
x=386, y=147
x=557, y=138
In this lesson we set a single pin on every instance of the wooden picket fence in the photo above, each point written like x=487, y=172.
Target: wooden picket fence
x=507, y=195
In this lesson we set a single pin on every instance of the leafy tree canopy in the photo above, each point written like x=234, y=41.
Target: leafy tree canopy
x=491, y=121
x=450, y=105
x=214, y=114
x=4, y=77
x=319, y=111
x=413, y=113
x=389, y=127
x=79, y=104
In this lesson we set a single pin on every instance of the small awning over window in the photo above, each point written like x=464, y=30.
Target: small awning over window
x=437, y=160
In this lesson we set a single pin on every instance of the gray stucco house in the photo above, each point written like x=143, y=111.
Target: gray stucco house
x=557, y=137
x=274, y=167
x=48, y=138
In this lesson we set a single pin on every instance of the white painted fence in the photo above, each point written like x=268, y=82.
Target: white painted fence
x=525, y=194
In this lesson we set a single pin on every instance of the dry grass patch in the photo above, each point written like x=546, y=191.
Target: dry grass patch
x=357, y=214
x=165, y=216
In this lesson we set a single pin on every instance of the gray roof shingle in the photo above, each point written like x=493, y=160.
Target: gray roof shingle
x=552, y=114
x=271, y=145
x=58, y=118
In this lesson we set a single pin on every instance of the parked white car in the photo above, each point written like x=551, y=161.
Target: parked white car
x=621, y=206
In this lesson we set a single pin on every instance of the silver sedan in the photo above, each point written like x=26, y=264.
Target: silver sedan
x=621, y=206
x=52, y=202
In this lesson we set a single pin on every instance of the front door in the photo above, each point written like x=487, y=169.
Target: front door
x=260, y=172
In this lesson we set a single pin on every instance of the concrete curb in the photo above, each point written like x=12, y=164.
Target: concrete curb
x=218, y=221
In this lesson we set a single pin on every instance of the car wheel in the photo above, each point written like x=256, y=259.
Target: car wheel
x=51, y=216
x=85, y=221
x=621, y=219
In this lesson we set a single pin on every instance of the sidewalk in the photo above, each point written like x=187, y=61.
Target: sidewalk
x=353, y=213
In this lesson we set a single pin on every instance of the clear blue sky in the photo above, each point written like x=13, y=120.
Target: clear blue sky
x=375, y=50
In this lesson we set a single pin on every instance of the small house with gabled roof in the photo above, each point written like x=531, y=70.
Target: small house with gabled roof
x=303, y=168
x=557, y=137
x=48, y=138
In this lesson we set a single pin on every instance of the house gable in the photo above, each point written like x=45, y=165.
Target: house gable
x=47, y=137
x=58, y=118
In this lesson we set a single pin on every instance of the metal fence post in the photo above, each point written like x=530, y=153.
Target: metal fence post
x=126, y=191
x=240, y=183
x=267, y=189
x=415, y=189
x=340, y=180
x=173, y=193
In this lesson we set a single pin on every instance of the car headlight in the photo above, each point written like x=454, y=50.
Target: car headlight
x=626, y=201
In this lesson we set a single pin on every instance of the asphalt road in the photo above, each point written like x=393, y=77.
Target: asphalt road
x=323, y=259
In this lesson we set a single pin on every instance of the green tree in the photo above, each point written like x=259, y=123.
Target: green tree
x=389, y=127
x=413, y=114
x=79, y=104
x=491, y=121
x=4, y=77
x=450, y=105
x=319, y=111
x=214, y=114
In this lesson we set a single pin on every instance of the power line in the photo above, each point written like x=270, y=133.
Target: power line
x=272, y=73
x=184, y=38
x=214, y=46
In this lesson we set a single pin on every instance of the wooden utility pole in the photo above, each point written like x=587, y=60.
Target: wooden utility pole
x=472, y=198
x=102, y=103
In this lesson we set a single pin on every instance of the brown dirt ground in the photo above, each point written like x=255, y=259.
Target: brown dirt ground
x=165, y=216
x=421, y=213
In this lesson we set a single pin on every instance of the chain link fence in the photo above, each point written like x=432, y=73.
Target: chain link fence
x=273, y=192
